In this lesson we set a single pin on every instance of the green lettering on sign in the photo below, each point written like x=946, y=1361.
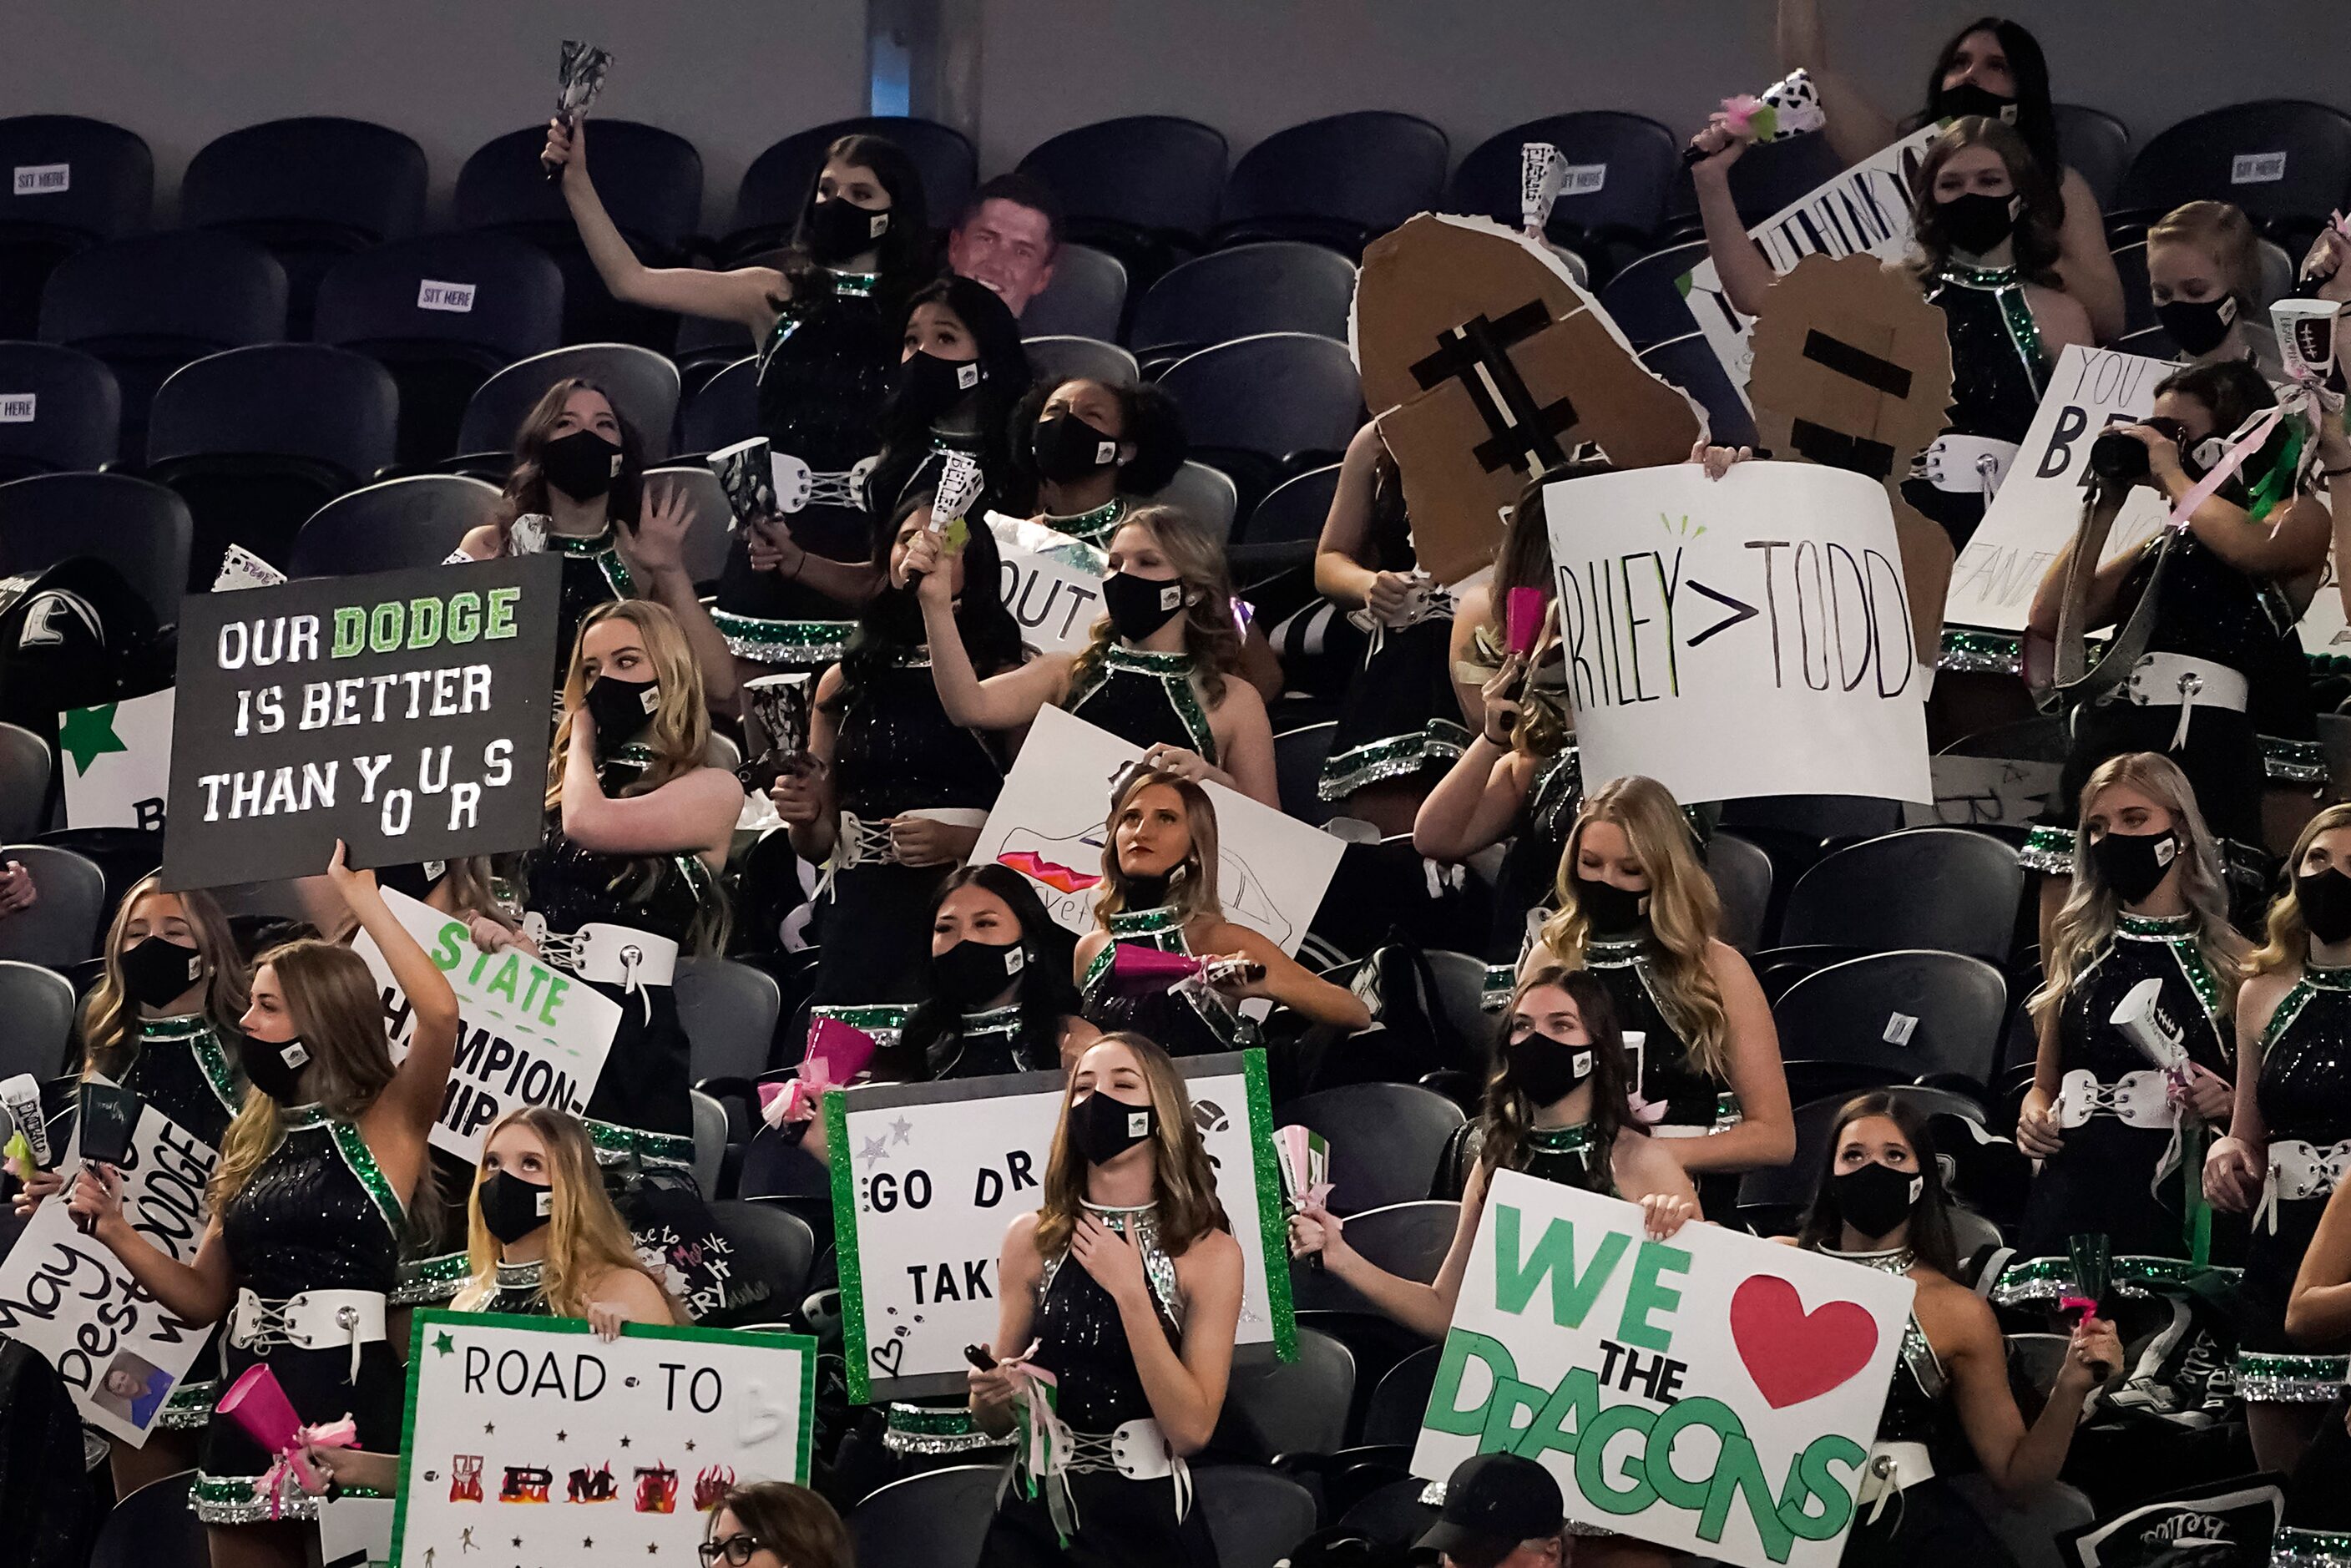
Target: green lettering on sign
x=1644, y=1295
x=1571, y=1295
x=351, y=631
x=1591, y=1478
x=1809, y=1479
x=1452, y=1361
x=423, y=623
x=465, y=616
x=502, y=613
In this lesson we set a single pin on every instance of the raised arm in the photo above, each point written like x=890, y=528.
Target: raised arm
x=694, y=814
x=1005, y=701
x=746, y=295
x=655, y=548
x=413, y=1097
x=1745, y=273
x=1766, y=1132
x=1475, y=804
x=1857, y=127
x=2016, y=1457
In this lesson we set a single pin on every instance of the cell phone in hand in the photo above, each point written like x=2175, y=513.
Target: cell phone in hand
x=978, y=1356
x=107, y=1113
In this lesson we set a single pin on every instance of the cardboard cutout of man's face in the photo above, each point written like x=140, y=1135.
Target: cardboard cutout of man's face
x=1485, y=364
x=1006, y=249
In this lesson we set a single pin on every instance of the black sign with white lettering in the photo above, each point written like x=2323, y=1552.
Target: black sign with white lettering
x=405, y=713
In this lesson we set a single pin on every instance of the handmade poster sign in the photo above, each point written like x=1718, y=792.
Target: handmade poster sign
x=1853, y=371
x=405, y=713
x=1485, y=364
x=1715, y=1394
x=1705, y=623
x=2039, y=506
x=1051, y=582
x=2324, y=632
x=117, y=1349
x=1984, y=791
x=927, y=1175
x=526, y=1034
x=1863, y=211
x=2235, y=1520
x=1047, y=824
x=531, y=1441
x=116, y=760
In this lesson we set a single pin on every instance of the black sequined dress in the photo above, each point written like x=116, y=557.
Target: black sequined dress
x=2303, y=1093
x=1145, y=699
x=1999, y=371
x=519, y=1290
x=993, y=1043
x=1399, y=714
x=1527, y=884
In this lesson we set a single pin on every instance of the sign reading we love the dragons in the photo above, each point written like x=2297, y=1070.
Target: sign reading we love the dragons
x=1715, y=1394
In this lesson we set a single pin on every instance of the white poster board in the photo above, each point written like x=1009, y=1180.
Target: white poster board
x=1864, y=209
x=927, y=1177
x=1052, y=583
x=2324, y=630
x=1716, y=1394
x=1985, y=791
x=2040, y=503
x=526, y=1034
x=116, y=760
x=1047, y=824
x=1741, y=636
x=530, y=1441
x=119, y=1351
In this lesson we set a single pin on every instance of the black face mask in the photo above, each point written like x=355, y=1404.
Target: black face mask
x=838, y=229
x=925, y=386
x=896, y=614
x=1101, y=1128
x=2134, y=864
x=2198, y=326
x=1973, y=98
x=1548, y=1070
x=1876, y=1199
x=622, y=709
x=581, y=464
x=1612, y=910
x=1067, y=448
x=512, y=1207
x=156, y=969
x=1138, y=606
x=2324, y=898
x=274, y=1067
x=1976, y=222
x=973, y=972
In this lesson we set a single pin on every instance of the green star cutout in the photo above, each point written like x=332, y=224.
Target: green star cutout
x=87, y=735
x=442, y=1344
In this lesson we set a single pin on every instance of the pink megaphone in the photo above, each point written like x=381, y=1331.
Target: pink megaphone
x=261, y=1410
x=1136, y=968
x=1522, y=619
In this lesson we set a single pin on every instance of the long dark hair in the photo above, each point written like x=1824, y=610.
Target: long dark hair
x=1930, y=1216
x=2038, y=220
x=525, y=490
x=1149, y=421
x=892, y=622
x=907, y=460
x=1508, y=1115
x=905, y=252
x=1046, y=996
x=2036, y=116
x=791, y=1522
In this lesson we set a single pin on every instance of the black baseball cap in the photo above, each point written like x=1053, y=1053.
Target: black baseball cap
x=1492, y=1504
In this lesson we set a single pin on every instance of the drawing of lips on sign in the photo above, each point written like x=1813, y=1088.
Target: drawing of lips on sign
x=1794, y=1356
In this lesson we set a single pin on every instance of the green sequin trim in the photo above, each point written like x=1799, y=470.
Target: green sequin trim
x=2049, y=1278
x=2266, y=1378
x=1501, y=979
x=1272, y=1212
x=2311, y=1549
x=782, y=641
x=856, y=285
x=1439, y=742
x=1572, y=1140
x=2049, y=850
x=1093, y=528
x=1161, y=927
x=2159, y=926
x=2293, y=761
x=846, y=1250
x=189, y=1406
x=616, y=1144
x=234, y=1500
x=1172, y=671
x=196, y=1032
x=361, y=1160
x=1971, y=652
x=2325, y=979
x=995, y=1020
x=869, y=1018
x=597, y=548
x=434, y=1278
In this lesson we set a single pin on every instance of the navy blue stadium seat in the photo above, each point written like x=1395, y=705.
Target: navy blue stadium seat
x=1265, y=408
x=1276, y=286
x=1341, y=181
x=1143, y=188
x=775, y=188
x=59, y=410
x=651, y=184
x=1891, y=1018
x=2096, y=145
x=2130, y=267
x=83, y=182
x=1086, y=298
x=1648, y=298
x=442, y=314
x=1055, y=360
x=706, y=346
x=643, y=385
x=138, y=528
x=1690, y=363
x=1622, y=167
x=407, y=522
x=310, y=190
x=149, y=305
x=1293, y=512
x=255, y=440
x=2285, y=162
x=723, y=411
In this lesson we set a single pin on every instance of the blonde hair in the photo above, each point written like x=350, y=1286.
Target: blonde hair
x=1192, y=886
x=586, y=1239
x=107, y=1013
x=338, y=1015
x=1685, y=910
x=1211, y=636
x=2222, y=232
x=2086, y=922
x=2287, y=944
x=1183, y=1181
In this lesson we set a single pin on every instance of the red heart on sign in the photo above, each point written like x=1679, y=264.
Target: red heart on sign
x=1791, y=1354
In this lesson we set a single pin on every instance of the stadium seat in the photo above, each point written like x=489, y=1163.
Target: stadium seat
x=706, y=346
x=1268, y=407
x=255, y=440
x=1294, y=510
x=1276, y=286
x=938, y=1518
x=1400, y=1397
x=309, y=190
x=1298, y=757
x=1206, y=492
x=710, y=1139
x=774, y=1249
x=1742, y=877
x=60, y=930
x=1340, y=180
x=775, y=188
x=1142, y=188
x=1385, y=1140
x=1086, y=298
x=643, y=385
x=2094, y=145
x=86, y=181
x=1901, y=1017
x=1056, y=359
x=152, y=1528
x=1647, y=298
x=1622, y=166
x=442, y=314
x=138, y=528
x=723, y=411
x=707, y=536
x=728, y=1012
x=148, y=307
x=2138, y=301
x=24, y=784
x=1274, y=1407
x=73, y=419
x=1690, y=363
x=2148, y=342
x=411, y=521
x=2285, y=162
x=38, y=1004
x=1786, y=1189
x=1768, y=178
x=1867, y=897
x=1255, y=1516
x=651, y=183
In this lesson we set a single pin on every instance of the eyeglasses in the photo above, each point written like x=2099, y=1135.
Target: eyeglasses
x=738, y=1550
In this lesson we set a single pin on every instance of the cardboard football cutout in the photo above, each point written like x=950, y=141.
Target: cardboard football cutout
x=1485, y=364
x=1852, y=370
